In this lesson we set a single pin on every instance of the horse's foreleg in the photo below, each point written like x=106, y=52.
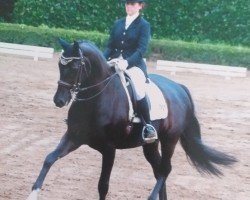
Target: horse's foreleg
x=65, y=146
x=108, y=156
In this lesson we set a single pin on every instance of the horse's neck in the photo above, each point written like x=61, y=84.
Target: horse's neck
x=101, y=71
x=108, y=105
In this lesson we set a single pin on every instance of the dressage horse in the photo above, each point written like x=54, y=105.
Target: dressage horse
x=98, y=117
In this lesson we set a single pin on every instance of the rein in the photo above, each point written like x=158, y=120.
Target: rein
x=108, y=80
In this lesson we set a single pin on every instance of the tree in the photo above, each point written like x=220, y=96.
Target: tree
x=6, y=9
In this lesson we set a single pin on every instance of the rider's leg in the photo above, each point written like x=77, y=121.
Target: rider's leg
x=149, y=130
x=139, y=80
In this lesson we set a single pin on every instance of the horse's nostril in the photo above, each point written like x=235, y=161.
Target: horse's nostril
x=59, y=103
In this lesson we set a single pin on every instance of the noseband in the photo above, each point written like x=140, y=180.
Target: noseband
x=76, y=87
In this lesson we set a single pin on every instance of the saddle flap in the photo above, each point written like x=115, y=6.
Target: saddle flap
x=157, y=104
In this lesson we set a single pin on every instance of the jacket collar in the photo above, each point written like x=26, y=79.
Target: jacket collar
x=136, y=21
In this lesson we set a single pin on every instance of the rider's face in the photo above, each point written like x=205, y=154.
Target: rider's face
x=132, y=8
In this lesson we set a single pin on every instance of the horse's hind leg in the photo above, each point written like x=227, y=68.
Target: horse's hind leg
x=153, y=156
x=168, y=142
x=65, y=146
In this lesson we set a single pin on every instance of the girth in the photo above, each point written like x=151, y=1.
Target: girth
x=131, y=90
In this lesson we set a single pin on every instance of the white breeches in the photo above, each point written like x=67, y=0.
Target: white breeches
x=138, y=78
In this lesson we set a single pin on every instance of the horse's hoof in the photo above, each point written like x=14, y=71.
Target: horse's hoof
x=33, y=195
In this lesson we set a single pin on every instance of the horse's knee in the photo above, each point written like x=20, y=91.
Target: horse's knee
x=50, y=159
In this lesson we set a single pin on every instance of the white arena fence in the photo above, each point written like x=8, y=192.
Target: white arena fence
x=26, y=50
x=178, y=67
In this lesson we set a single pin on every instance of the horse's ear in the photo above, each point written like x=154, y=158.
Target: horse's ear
x=65, y=45
x=76, y=48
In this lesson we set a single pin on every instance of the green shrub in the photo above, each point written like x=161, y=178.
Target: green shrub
x=219, y=54
x=226, y=21
x=78, y=14
x=164, y=49
x=44, y=36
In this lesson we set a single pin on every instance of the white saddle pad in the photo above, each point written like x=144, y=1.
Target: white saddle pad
x=158, y=105
x=159, y=109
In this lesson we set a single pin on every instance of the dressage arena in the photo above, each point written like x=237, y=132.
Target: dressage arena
x=31, y=126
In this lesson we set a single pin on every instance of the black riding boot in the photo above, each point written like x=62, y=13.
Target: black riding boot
x=149, y=132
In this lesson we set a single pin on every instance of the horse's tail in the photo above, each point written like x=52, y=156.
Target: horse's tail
x=203, y=157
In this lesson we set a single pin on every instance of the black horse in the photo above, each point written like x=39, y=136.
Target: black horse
x=98, y=117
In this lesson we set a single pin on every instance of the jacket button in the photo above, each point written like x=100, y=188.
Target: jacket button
x=124, y=33
x=122, y=42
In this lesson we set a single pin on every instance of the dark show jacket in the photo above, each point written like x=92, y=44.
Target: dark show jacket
x=131, y=43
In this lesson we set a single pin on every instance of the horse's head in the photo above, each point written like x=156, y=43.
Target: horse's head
x=79, y=64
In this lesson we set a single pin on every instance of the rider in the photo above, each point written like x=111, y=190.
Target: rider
x=128, y=41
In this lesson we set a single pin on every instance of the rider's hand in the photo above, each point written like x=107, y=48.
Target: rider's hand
x=122, y=64
x=113, y=62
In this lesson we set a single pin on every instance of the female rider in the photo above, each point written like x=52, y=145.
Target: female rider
x=128, y=41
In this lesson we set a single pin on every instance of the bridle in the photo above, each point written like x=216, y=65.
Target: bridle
x=76, y=86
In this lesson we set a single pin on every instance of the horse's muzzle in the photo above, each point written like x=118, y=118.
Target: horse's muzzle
x=62, y=98
x=60, y=103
